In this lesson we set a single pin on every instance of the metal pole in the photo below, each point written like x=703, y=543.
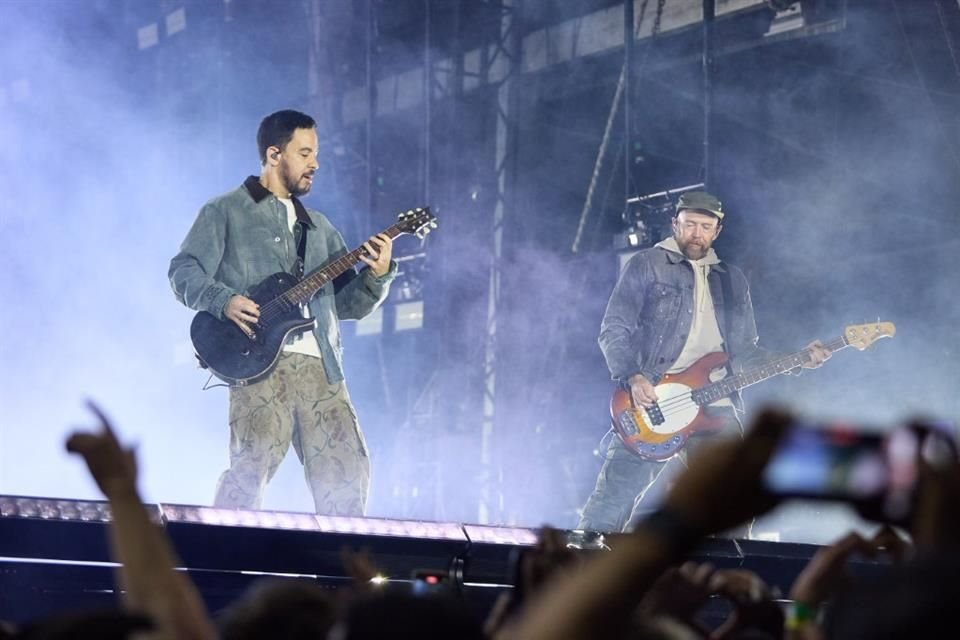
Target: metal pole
x=371, y=114
x=508, y=65
x=427, y=103
x=709, y=14
x=628, y=38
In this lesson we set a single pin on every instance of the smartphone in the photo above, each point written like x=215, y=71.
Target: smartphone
x=875, y=472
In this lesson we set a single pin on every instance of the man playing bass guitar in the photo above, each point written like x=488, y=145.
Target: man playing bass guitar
x=673, y=304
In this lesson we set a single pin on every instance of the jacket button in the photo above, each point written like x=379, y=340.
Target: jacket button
x=277, y=239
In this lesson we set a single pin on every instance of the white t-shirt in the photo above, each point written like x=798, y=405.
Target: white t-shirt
x=304, y=343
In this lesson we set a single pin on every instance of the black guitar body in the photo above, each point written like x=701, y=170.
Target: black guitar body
x=239, y=360
x=230, y=354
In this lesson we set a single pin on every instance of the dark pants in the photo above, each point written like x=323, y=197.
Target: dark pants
x=630, y=487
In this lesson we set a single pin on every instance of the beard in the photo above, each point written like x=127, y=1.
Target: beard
x=297, y=185
x=693, y=251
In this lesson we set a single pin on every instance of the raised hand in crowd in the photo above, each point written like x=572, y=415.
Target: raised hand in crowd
x=823, y=576
x=826, y=572
x=753, y=603
x=722, y=490
x=150, y=582
x=533, y=569
x=359, y=565
x=935, y=522
x=681, y=592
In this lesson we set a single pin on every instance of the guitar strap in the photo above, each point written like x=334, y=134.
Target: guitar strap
x=301, y=251
x=726, y=290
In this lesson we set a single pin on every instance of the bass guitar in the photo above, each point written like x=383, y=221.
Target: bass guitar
x=658, y=432
x=239, y=359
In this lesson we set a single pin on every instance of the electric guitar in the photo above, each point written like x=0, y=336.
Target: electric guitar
x=238, y=359
x=659, y=431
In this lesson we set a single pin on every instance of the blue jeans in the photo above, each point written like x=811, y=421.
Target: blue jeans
x=629, y=487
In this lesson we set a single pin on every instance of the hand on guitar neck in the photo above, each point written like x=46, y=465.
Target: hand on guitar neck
x=654, y=422
x=644, y=394
x=818, y=353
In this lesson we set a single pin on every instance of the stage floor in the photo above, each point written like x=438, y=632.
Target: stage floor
x=54, y=553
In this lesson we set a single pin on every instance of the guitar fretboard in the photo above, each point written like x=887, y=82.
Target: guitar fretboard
x=301, y=292
x=727, y=386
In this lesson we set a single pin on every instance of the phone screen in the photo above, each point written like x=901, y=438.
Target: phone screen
x=874, y=471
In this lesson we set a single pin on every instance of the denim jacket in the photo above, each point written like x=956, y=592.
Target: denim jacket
x=650, y=311
x=241, y=237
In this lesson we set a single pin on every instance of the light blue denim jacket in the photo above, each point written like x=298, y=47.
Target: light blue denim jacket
x=241, y=237
x=650, y=312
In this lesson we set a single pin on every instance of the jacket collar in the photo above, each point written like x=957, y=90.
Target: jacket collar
x=258, y=193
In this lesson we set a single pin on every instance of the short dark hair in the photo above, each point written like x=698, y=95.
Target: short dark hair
x=277, y=129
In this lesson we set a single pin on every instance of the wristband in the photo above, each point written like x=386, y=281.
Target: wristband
x=799, y=615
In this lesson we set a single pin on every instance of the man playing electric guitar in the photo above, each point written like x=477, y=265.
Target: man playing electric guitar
x=237, y=241
x=673, y=304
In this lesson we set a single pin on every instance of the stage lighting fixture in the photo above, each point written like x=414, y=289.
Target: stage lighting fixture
x=176, y=21
x=148, y=36
x=647, y=218
x=52, y=509
x=372, y=324
x=408, y=315
x=190, y=514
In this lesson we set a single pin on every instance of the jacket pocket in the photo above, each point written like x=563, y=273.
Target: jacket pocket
x=259, y=268
x=662, y=302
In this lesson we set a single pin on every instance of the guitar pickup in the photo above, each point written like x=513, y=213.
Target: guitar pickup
x=628, y=423
x=655, y=414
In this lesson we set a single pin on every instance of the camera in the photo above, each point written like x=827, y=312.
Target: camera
x=877, y=473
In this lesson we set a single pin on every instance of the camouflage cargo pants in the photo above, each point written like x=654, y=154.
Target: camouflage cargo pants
x=296, y=405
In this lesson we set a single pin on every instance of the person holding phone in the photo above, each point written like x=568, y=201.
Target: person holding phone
x=673, y=304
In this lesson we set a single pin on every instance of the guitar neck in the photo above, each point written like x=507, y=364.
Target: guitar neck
x=732, y=384
x=301, y=292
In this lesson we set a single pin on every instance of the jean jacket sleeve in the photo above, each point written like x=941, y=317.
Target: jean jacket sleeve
x=619, y=326
x=192, y=271
x=357, y=294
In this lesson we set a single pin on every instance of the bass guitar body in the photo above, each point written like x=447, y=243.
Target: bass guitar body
x=660, y=431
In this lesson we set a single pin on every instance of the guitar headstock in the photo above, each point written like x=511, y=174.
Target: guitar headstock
x=419, y=221
x=861, y=336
